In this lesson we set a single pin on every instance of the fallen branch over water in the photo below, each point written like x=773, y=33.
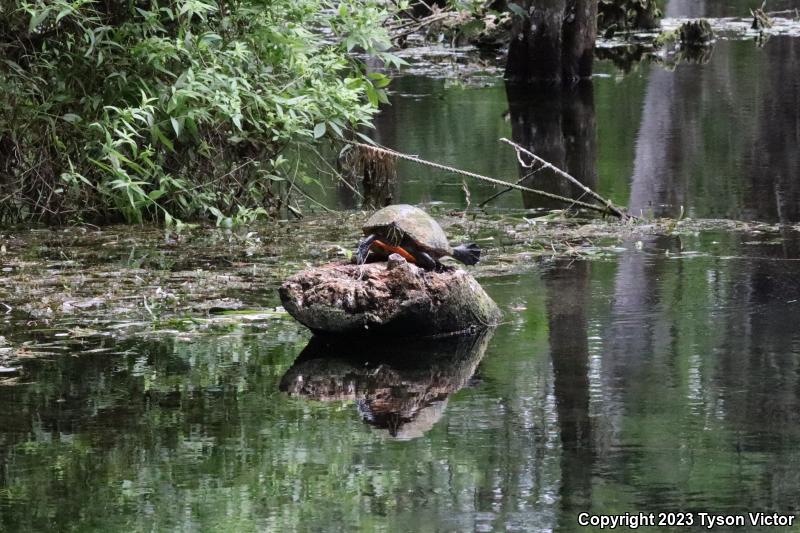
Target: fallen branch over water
x=519, y=149
x=608, y=208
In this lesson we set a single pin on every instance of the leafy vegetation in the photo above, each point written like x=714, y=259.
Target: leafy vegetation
x=181, y=109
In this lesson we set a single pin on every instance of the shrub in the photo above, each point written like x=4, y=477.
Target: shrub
x=174, y=109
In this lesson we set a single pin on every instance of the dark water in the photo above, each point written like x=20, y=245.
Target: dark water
x=722, y=8
x=664, y=379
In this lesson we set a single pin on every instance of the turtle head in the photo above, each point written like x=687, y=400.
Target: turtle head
x=363, y=249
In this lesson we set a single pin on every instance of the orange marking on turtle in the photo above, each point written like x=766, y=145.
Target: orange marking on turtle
x=389, y=249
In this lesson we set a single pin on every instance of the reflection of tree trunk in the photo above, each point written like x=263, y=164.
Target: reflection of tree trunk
x=758, y=379
x=559, y=126
x=554, y=42
x=678, y=141
x=671, y=142
x=775, y=165
x=685, y=8
x=653, y=180
x=567, y=296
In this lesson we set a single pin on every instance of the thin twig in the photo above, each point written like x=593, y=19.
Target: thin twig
x=291, y=182
x=339, y=176
x=610, y=206
x=311, y=198
x=509, y=189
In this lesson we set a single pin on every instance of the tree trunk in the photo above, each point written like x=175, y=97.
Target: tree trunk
x=553, y=41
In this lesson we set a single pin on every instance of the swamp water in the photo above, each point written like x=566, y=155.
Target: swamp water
x=662, y=375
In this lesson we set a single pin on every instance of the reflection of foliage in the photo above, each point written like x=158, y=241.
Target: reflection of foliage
x=625, y=58
x=180, y=433
x=453, y=132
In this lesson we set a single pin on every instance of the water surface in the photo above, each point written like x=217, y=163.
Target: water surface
x=665, y=379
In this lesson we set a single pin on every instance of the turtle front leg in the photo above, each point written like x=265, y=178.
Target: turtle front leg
x=426, y=261
x=363, y=249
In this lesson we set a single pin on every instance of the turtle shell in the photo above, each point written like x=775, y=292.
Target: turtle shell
x=396, y=223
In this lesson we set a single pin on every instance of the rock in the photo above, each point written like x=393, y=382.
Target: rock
x=396, y=298
x=394, y=261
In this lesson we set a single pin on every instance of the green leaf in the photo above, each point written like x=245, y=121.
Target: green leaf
x=176, y=125
x=382, y=98
x=319, y=130
x=379, y=80
x=63, y=13
x=372, y=95
x=191, y=127
x=392, y=60
x=163, y=138
x=72, y=118
x=336, y=128
x=37, y=19
x=517, y=10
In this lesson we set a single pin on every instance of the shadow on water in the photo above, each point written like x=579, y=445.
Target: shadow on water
x=401, y=387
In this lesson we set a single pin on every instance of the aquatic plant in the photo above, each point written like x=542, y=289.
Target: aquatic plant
x=615, y=15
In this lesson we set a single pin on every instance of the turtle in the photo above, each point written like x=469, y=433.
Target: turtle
x=412, y=233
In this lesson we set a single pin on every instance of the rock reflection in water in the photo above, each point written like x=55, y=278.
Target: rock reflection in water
x=401, y=387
